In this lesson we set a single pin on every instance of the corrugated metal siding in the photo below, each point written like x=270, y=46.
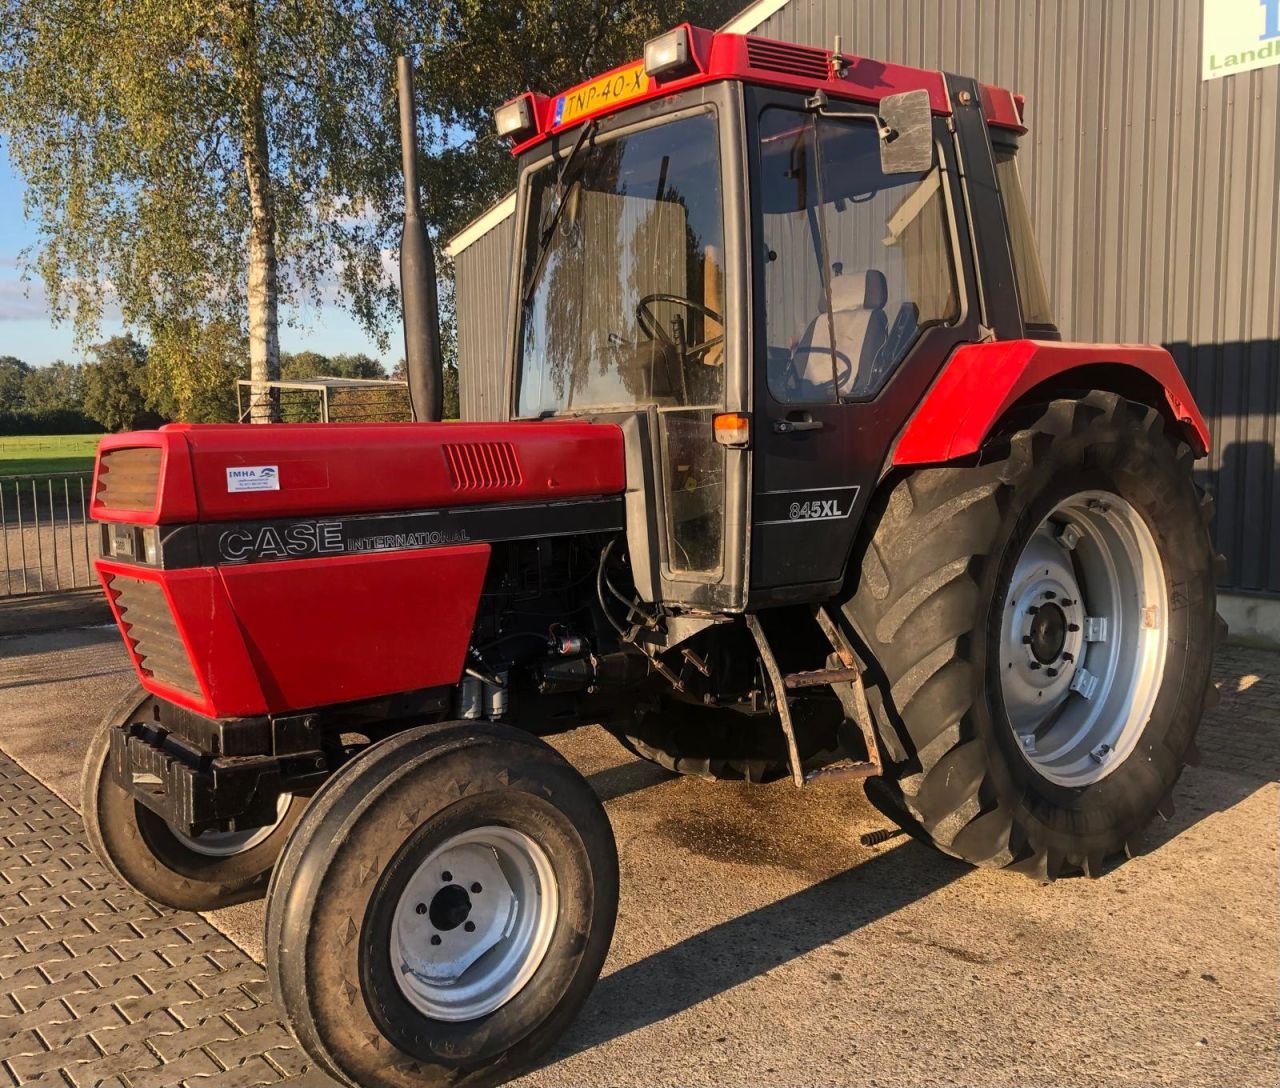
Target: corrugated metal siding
x=1156, y=199
x=481, y=274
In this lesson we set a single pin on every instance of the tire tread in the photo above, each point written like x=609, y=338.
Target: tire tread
x=926, y=545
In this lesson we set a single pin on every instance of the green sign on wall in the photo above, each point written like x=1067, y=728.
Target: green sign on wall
x=1239, y=36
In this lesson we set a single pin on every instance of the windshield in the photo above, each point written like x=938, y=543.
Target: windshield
x=622, y=284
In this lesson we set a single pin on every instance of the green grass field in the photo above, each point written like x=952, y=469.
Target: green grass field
x=34, y=454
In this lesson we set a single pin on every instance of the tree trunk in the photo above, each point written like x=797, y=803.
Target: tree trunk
x=263, y=293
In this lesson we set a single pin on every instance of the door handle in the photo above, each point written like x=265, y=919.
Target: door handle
x=796, y=421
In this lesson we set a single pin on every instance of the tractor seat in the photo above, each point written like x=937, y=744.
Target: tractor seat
x=861, y=328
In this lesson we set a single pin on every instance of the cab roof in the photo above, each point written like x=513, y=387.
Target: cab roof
x=764, y=62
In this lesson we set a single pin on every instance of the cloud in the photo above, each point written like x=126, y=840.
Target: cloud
x=21, y=301
x=26, y=299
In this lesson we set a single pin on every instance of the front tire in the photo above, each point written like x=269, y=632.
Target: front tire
x=443, y=908
x=1043, y=623
x=205, y=872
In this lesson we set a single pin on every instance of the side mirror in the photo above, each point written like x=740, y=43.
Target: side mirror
x=906, y=133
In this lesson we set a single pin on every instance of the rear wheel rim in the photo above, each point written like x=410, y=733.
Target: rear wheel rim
x=1084, y=637
x=474, y=923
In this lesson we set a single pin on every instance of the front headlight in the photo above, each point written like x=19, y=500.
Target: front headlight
x=133, y=543
x=515, y=119
x=669, y=55
x=150, y=545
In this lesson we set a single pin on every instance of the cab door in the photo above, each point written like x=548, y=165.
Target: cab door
x=862, y=290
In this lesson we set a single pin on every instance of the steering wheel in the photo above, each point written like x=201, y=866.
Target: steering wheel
x=799, y=390
x=652, y=327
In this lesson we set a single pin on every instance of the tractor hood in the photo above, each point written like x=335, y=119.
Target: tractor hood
x=186, y=473
x=263, y=570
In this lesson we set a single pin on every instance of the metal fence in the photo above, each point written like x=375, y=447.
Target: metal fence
x=47, y=542
x=330, y=400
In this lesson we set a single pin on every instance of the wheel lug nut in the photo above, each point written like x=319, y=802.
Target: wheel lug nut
x=1033, y=665
x=421, y=908
x=470, y=927
x=475, y=887
x=1073, y=627
x=447, y=877
x=435, y=938
x=1049, y=595
x=1067, y=602
x=1068, y=658
x=1026, y=640
x=1051, y=673
x=1035, y=608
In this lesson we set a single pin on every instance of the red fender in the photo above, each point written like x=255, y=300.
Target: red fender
x=983, y=381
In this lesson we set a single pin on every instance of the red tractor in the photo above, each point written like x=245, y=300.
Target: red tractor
x=798, y=478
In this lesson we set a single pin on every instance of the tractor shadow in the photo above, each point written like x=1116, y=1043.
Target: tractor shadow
x=1240, y=742
x=676, y=978
x=612, y=783
x=681, y=976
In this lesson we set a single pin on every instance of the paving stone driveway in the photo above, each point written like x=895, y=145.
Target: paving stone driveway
x=98, y=987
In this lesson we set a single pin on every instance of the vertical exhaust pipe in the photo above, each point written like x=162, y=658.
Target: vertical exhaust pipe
x=417, y=271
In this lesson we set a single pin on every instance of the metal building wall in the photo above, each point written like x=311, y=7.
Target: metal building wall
x=1156, y=199
x=481, y=273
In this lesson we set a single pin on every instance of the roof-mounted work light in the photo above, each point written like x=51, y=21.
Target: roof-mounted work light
x=670, y=55
x=515, y=119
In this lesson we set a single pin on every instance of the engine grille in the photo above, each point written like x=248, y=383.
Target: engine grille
x=128, y=479
x=149, y=626
x=792, y=60
x=478, y=466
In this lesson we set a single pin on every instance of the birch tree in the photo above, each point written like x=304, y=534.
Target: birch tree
x=197, y=165
x=202, y=162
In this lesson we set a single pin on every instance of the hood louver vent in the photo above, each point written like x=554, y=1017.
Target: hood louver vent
x=792, y=60
x=149, y=626
x=128, y=479
x=482, y=466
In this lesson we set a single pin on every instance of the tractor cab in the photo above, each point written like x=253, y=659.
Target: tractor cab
x=755, y=257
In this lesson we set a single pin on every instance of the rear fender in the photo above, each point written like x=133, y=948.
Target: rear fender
x=981, y=383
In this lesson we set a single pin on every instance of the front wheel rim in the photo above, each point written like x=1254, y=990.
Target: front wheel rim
x=1084, y=637
x=474, y=923
x=229, y=844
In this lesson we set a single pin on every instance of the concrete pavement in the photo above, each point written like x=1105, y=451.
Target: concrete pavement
x=759, y=942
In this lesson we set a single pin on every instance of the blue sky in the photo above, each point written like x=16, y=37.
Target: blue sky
x=27, y=332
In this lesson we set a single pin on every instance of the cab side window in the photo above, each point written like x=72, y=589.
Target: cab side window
x=857, y=262
x=1036, y=309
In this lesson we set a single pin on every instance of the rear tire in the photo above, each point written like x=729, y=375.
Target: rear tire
x=386, y=946
x=207, y=872
x=948, y=605
x=715, y=745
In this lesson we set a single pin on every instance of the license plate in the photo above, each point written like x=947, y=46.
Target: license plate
x=620, y=86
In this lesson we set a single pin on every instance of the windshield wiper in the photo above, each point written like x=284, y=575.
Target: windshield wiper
x=544, y=238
